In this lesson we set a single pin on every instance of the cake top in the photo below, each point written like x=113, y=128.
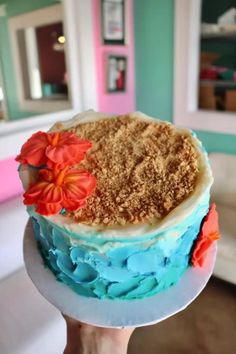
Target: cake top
x=144, y=169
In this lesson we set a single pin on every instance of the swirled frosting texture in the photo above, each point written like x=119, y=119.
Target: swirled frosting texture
x=130, y=269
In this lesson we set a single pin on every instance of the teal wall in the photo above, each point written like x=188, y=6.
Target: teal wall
x=153, y=20
x=14, y=8
x=154, y=41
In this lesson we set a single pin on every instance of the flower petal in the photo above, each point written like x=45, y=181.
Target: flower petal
x=74, y=192
x=211, y=221
x=88, y=183
x=46, y=175
x=72, y=205
x=202, y=246
x=67, y=138
x=65, y=149
x=20, y=159
x=83, y=179
x=31, y=196
x=78, y=186
x=33, y=151
x=48, y=208
x=64, y=155
x=208, y=234
x=51, y=194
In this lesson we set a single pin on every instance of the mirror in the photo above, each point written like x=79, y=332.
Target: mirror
x=34, y=64
x=42, y=59
x=217, y=77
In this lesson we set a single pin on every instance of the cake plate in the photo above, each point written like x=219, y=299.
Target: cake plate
x=115, y=313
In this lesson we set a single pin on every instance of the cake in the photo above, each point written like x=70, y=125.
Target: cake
x=120, y=205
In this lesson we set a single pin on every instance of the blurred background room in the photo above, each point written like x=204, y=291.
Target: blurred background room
x=171, y=59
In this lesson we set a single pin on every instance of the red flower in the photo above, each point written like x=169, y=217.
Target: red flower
x=48, y=149
x=67, y=188
x=208, y=234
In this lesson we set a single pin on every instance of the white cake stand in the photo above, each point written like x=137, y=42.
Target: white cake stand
x=115, y=313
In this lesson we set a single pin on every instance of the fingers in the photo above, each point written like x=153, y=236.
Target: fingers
x=81, y=336
x=73, y=344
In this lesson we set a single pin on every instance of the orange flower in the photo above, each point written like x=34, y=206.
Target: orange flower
x=48, y=149
x=208, y=234
x=57, y=189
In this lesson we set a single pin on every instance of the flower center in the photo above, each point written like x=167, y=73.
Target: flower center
x=61, y=176
x=55, y=139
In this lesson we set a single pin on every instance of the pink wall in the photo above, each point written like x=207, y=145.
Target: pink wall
x=121, y=102
x=10, y=185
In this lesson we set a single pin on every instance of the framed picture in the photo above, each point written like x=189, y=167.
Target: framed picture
x=116, y=73
x=113, y=21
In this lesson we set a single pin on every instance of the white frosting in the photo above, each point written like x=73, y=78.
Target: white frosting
x=175, y=217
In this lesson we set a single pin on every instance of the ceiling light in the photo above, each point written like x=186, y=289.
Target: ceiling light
x=61, y=39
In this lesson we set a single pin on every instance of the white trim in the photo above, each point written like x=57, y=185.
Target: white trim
x=31, y=48
x=85, y=30
x=81, y=65
x=193, y=54
x=73, y=61
x=13, y=127
x=186, y=68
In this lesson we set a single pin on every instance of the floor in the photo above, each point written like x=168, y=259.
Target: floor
x=207, y=326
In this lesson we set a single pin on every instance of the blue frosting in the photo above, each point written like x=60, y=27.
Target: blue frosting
x=128, y=269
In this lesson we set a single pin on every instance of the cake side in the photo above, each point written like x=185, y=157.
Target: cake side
x=118, y=270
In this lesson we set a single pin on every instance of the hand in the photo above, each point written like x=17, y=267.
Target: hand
x=86, y=339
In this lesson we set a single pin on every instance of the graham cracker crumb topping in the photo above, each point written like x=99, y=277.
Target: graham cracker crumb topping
x=144, y=169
